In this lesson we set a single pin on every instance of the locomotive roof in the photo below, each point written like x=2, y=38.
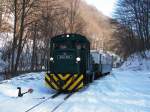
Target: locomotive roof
x=72, y=37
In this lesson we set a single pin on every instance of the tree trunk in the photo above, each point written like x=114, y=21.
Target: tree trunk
x=20, y=36
x=1, y=10
x=34, y=49
x=14, y=38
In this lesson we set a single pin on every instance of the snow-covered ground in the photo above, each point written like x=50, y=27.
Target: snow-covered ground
x=136, y=62
x=121, y=91
x=126, y=89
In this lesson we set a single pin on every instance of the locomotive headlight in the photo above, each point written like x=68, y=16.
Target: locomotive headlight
x=51, y=59
x=78, y=59
x=68, y=35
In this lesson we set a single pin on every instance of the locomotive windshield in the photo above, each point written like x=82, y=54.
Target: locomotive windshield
x=69, y=45
x=63, y=45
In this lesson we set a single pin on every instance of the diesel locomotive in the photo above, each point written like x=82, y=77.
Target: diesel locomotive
x=71, y=65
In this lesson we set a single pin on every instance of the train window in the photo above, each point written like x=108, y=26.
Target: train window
x=53, y=46
x=62, y=46
x=59, y=46
x=78, y=46
x=84, y=46
x=68, y=44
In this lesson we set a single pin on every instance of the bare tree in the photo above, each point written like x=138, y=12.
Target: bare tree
x=21, y=9
x=1, y=10
x=35, y=23
x=75, y=22
x=14, y=44
x=135, y=15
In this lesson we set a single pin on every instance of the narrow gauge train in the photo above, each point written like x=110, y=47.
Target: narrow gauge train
x=71, y=66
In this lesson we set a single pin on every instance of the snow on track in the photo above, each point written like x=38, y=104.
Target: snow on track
x=121, y=91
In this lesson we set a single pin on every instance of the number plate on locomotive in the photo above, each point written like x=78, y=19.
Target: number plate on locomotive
x=61, y=57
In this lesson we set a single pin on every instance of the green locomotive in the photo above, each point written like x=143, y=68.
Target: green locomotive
x=71, y=65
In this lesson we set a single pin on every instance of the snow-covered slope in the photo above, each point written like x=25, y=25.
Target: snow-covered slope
x=121, y=91
x=136, y=62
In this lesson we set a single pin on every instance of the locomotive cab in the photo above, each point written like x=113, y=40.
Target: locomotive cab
x=69, y=62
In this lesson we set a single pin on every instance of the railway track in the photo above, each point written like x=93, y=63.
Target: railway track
x=52, y=98
x=44, y=100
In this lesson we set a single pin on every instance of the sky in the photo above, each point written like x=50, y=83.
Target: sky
x=105, y=6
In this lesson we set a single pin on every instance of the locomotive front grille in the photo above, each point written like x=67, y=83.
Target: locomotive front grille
x=65, y=82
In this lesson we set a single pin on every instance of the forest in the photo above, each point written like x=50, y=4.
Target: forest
x=26, y=26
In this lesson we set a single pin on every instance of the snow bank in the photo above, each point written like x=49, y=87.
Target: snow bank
x=136, y=62
x=8, y=90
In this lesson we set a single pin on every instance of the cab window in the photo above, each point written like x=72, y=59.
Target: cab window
x=61, y=46
x=78, y=46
